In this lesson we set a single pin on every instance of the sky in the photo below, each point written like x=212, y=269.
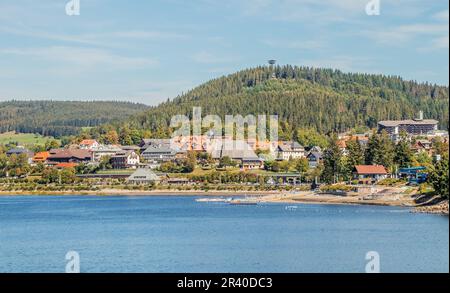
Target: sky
x=149, y=51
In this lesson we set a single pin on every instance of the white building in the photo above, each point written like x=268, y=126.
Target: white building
x=104, y=151
x=290, y=150
x=125, y=160
x=89, y=144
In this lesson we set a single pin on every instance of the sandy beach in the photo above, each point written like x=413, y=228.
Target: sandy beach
x=314, y=198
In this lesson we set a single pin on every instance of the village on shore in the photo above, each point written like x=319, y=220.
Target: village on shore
x=389, y=166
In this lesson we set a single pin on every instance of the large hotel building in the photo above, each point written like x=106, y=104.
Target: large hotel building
x=417, y=126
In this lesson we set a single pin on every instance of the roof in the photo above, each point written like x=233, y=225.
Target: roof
x=143, y=175
x=17, y=151
x=63, y=154
x=66, y=165
x=342, y=144
x=88, y=142
x=316, y=155
x=290, y=146
x=147, y=142
x=107, y=149
x=236, y=150
x=371, y=170
x=42, y=156
x=156, y=149
x=394, y=123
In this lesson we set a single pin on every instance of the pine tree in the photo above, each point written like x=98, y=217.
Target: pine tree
x=403, y=154
x=332, y=161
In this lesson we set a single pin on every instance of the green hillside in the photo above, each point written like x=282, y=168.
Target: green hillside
x=58, y=118
x=303, y=97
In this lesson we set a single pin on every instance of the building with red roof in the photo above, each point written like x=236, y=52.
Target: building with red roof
x=371, y=172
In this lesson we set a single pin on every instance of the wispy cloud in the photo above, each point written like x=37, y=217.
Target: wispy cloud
x=81, y=57
x=105, y=39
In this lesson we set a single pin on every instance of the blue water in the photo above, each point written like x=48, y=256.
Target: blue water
x=177, y=234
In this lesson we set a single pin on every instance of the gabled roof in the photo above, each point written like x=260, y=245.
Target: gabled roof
x=18, y=151
x=316, y=155
x=371, y=170
x=235, y=149
x=143, y=175
x=156, y=149
x=67, y=154
x=290, y=146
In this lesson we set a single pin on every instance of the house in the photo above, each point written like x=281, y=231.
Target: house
x=21, y=151
x=363, y=139
x=252, y=163
x=16, y=151
x=342, y=144
x=316, y=149
x=102, y=151
x=125, y=160
x=371, y=172
x=238, y=151
x=423, y=146
x=159, y=153
x=41, y=157
x=89, y=144
x=143, y=176
x=290, y=150
x=314, y=158
x=68, y=156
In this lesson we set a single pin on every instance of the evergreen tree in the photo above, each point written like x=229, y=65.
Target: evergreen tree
x=380, y=150
x=332, y=161
x=439, y=178
x=354, y=157
x=403, y=154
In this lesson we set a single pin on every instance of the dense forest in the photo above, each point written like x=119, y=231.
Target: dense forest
x=307, y=100
x=61, y=118
x=322, y=99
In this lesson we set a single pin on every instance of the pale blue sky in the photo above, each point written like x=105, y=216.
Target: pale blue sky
x=148, y=51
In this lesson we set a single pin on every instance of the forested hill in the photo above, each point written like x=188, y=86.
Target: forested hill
x=324, y=99
x=58, y=118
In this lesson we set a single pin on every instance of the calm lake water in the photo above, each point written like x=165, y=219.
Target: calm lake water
x=178, y=234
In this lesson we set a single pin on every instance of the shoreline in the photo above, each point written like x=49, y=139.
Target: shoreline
x=120, y=192
x=256, y=197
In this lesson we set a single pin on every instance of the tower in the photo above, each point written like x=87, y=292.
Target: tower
x=271, y=65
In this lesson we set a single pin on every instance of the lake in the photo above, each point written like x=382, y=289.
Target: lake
x=178, y=234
